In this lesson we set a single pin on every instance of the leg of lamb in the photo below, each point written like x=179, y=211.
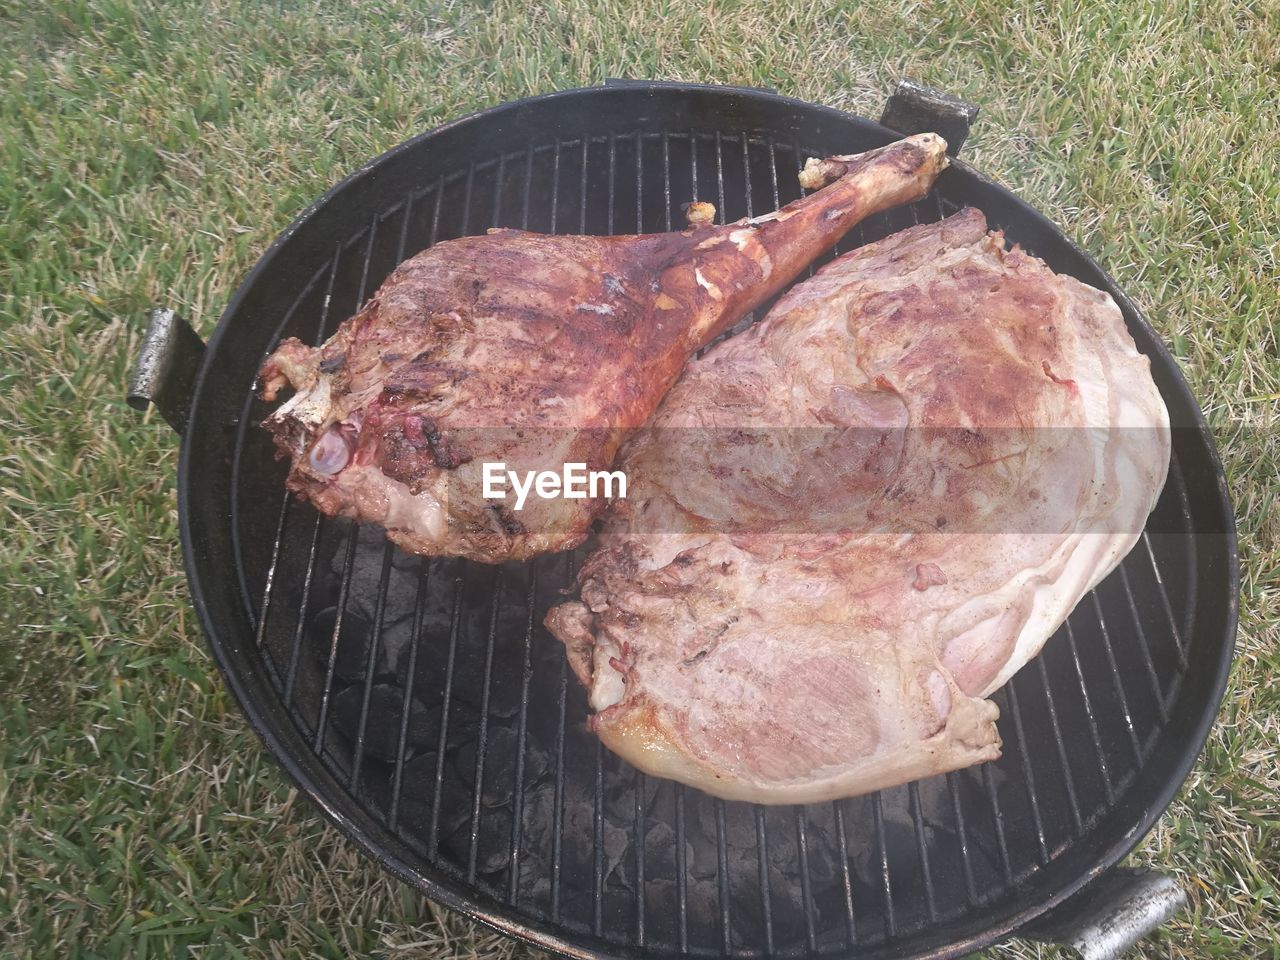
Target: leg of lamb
x=536, y=351
x=850, y=524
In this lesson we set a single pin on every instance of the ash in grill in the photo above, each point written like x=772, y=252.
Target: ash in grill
x=426, y=706
x=440, y=678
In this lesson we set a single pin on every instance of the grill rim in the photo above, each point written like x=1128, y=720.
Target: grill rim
x=288, y=746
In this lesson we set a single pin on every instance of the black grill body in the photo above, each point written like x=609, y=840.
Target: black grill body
x=428, y=713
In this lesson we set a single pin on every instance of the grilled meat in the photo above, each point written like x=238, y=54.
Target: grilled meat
x=852, y=523
x=536, y=351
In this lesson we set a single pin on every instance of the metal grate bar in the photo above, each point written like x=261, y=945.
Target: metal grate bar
x=261, y=631
x=528, y=188
x=798, y=156
x=451, y=659
x=370, y=667
x=639, y=848
x=406, y=703
x=315, y=541
x=291, y=674
x=693, y=163
x=1028, y=775
x=1165, y=602
x=482, y=743
x=804, y=192
x=998, y=818
x=846, y=882
x=582, y=190
x=773, y=171
x=597, y=815
x=666, y=181
x=344, y=591
x=1088, y=712
x=557, y=810
x=806, y=881
x=364, y=267
x=404, y=228
x=1115, y=676
x=682, y=876
x=722, y=878
x=435, y=213
x=922, y=846
x=466, y=199
x=1058, y=740
x=963, y=835
x=762, y=862
x=720, y=210
x=555, y=187
x=1184, y=505
x=258, y=618
x=482, y=738
x=877, y=810
x=613, y=181
x=345, y=587
x=750, y=318
x=497, y=190
x=1161, y=705
x=597, y=835
x=522, y=728
x=937, y=202
x=639, y=182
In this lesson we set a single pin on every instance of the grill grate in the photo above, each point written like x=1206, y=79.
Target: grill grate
x=431, y=690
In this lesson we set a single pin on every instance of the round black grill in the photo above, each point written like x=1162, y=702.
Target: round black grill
x=422, y=705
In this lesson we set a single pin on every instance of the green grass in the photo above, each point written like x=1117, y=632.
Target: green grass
x=149, y=152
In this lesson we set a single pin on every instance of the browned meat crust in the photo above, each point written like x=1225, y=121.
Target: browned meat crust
x=536, y=351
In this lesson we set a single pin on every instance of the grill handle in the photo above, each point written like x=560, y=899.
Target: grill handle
x=915, y=108
x=1111, y=914
x=165, y=371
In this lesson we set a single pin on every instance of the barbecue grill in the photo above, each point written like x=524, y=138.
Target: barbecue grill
x=425, y=710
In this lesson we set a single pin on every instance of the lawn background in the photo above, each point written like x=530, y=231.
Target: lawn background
x=149, y=152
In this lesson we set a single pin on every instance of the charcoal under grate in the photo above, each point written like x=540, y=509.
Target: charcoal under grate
x=422, y=703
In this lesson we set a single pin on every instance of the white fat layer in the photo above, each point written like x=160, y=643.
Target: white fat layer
x=747, y=242
x=389, y=502
x=607, y=685
x=707, y=285
x=1035, y=579
x=939, y=694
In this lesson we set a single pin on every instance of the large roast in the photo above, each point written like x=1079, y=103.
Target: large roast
x=851, y=524
x=534, y=351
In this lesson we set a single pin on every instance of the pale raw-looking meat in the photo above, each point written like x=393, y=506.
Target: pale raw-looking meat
x=536, y=351
x=852, y=523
